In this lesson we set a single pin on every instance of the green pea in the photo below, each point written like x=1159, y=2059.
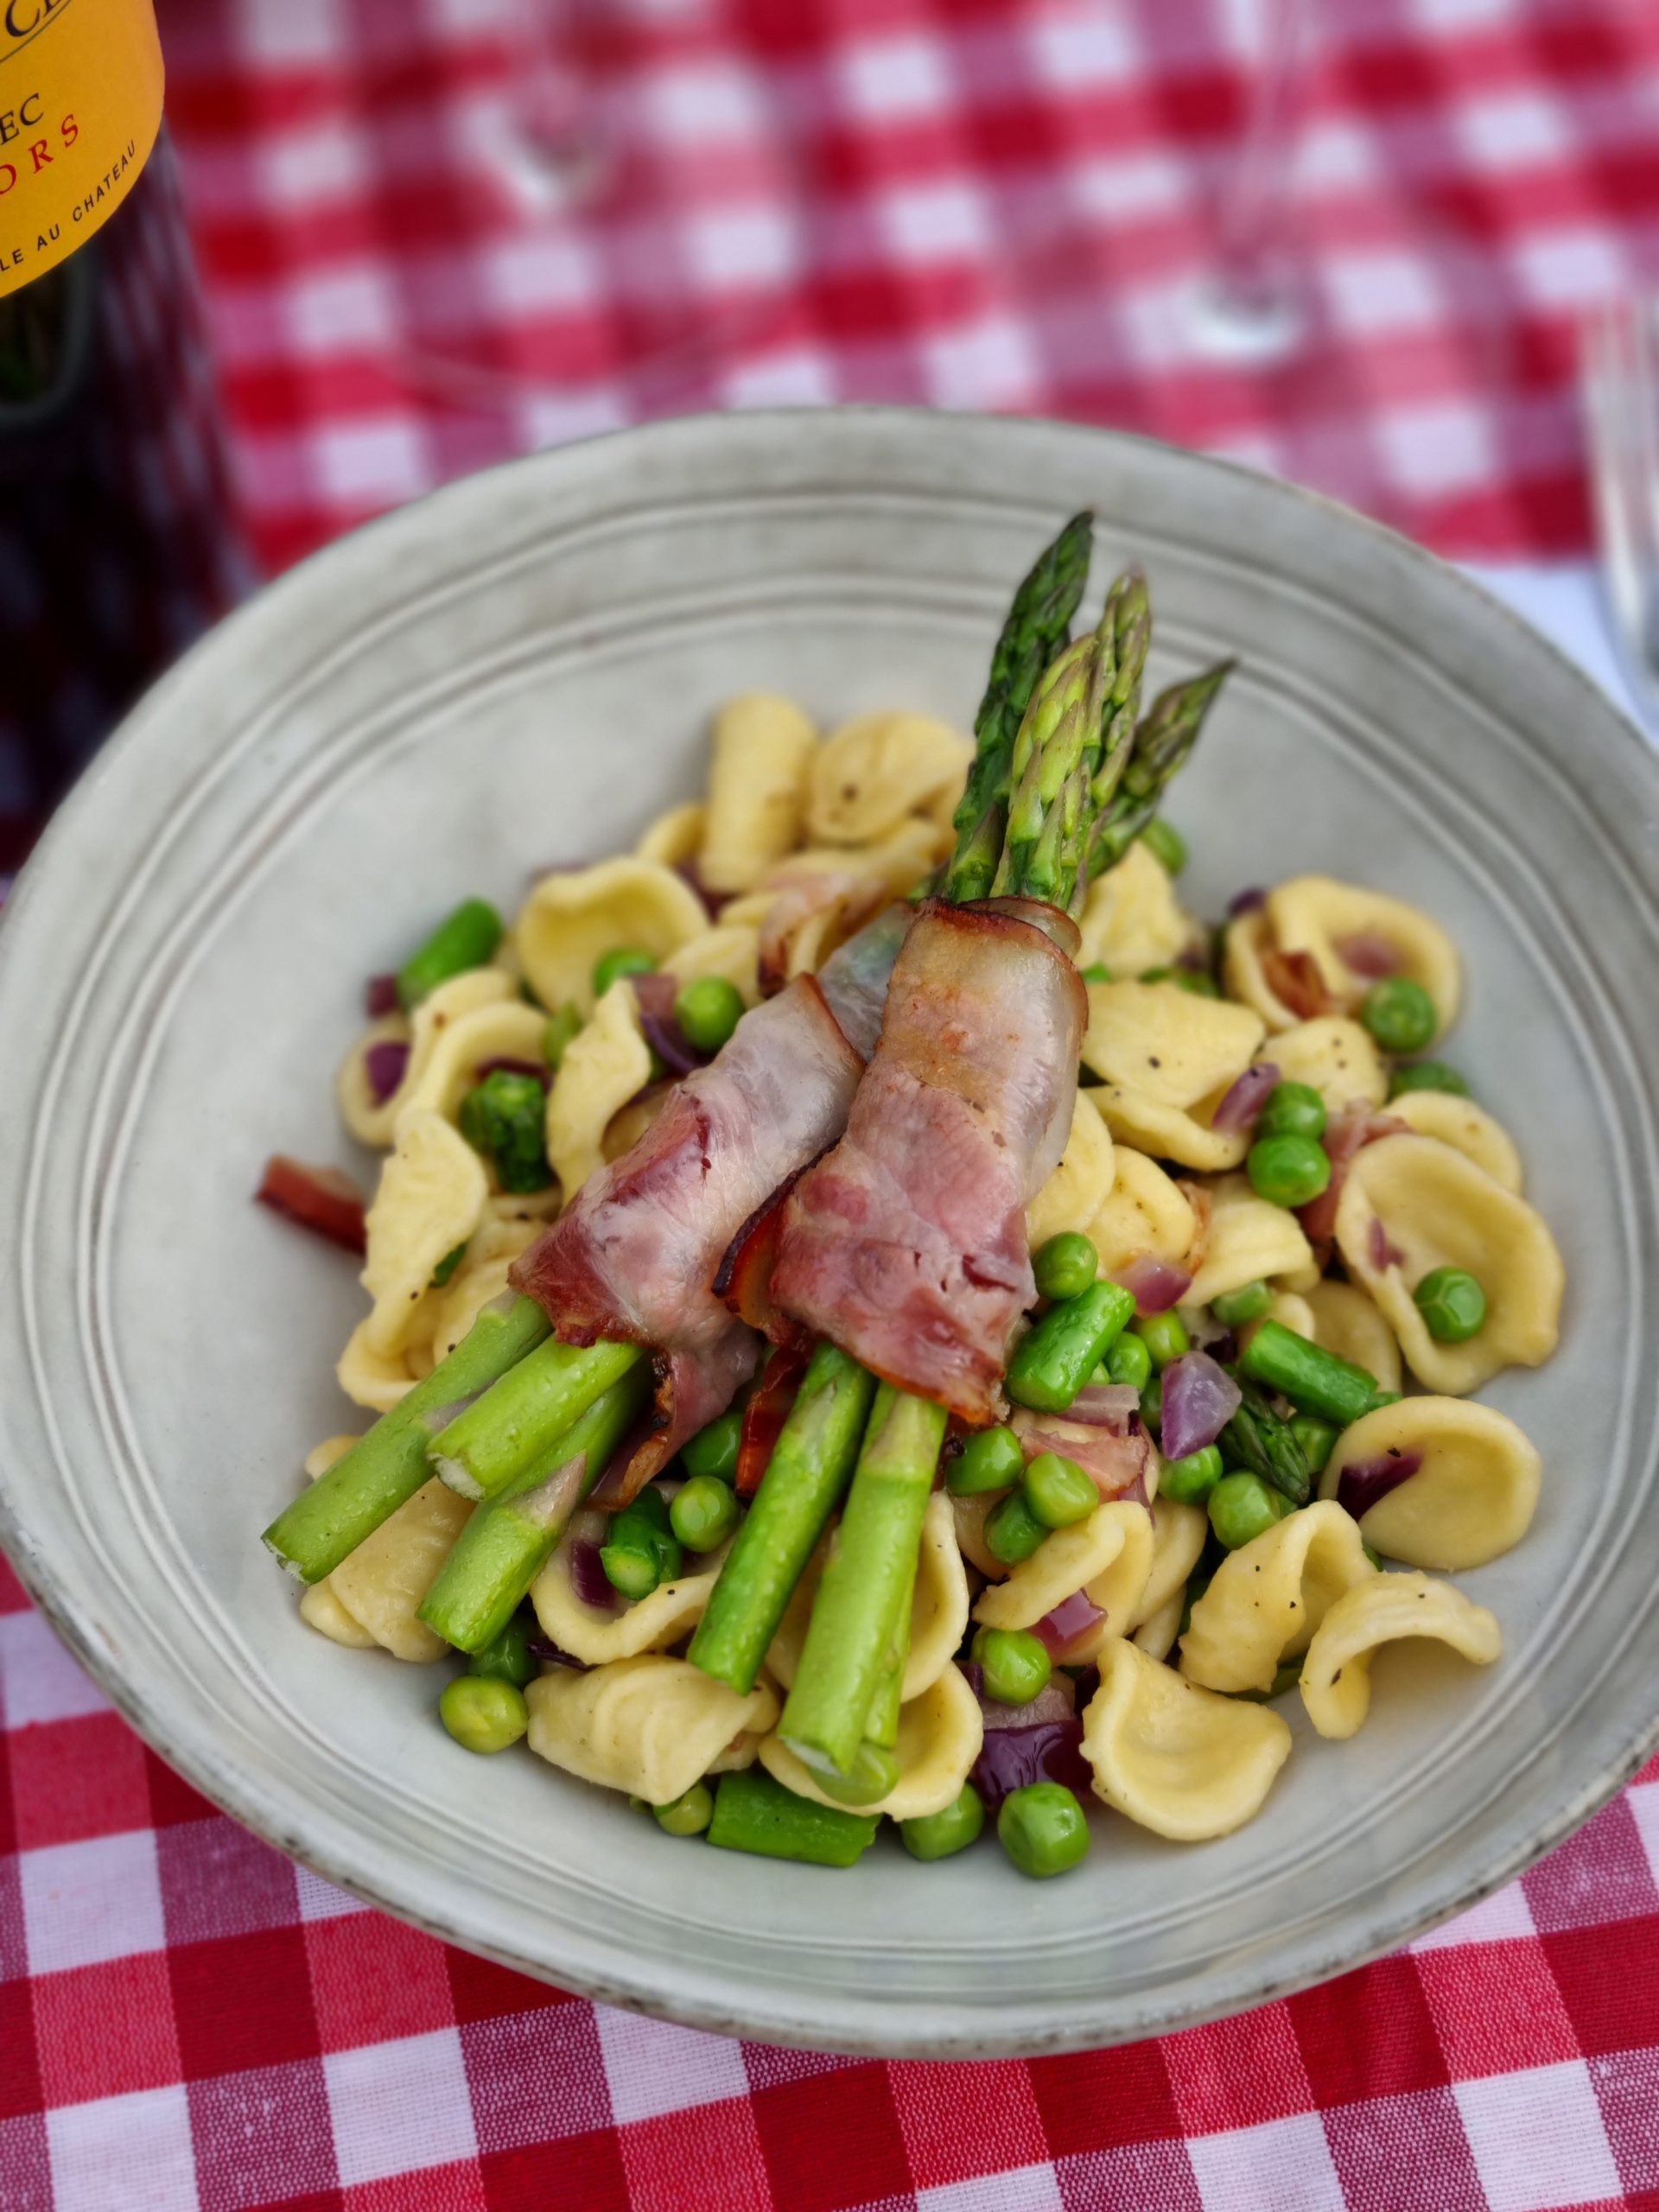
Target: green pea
x=505, y=1117
x=941, y=1836
x=1287, y=1171
x=993, y=1459
x=1016, y=1664
x=482, y=1713
x=1057, y=1490
x=1243, y=1507
x=1190, y=1481
x=1452, y=1305
x=704, y=1513
x=1152, y=1404
x=1293, y=1109
x=1064, y=1265
x=1012, y=1531
x=505, y=1657
x=620, y=960
x=708, y=1010
x=1400, y=1014
x=563, y=1027
x=1248, y=1303
x=1042, y=1829
x=1129, y=1361
x=1096, y=972
x=874, y=1775
x=1428, y=1075
x=713, y=1451
x=1164, y=1336
x=1165, y=844
x=1317, y=1438
x=689, y=1815
x=465, y=939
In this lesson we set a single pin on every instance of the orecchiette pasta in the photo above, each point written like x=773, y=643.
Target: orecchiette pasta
x=873, y=771
x=461, y=995
x=506, y=1030
x=1167, y=1059
x=376, y=1380
x=1332, y=1056
x=1354, y=933
x=729, y=950
x=1347, y=1322
x=1266, y=1600
x=1081, y=1185
x=649, y=1726
x=1132, y=919
x=1249, y=1240
x=383, y=1582
x=605, y=1064
x=1157, y=1633
x=675, y=838
x=763, y=749
x=1473, y=1497
x=319, y=1607
x=573, y=917
x=1467, y=1128
x=670, y=1613
x=1146, y=1211
x=1337, y=1673
x=939, y=1611
x=940, y=1733
x=1414, y=1205
x=1177, y=1537
x=1172, y=1757
x=1245, y=946
x=431, y=1196
x=1108, y=1557
x=367, y=1118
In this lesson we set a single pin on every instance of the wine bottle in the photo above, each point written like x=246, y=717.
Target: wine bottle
x=117, y=540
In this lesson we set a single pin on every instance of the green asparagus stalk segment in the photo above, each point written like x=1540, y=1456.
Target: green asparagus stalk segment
x=1314, y=1380
x=883, y=1726
x=507, y=1543
x=465, y=939
x=389, y=1464
x=849, y=1637
x=1257, y=1440
x=810, y=1466
x=1163, y=740
x=755, y=1813
x=1038, y=625
x=1056, y=1357
x=1126, y=635
x=514, y=1424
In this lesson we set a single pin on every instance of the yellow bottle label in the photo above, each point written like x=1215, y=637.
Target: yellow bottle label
x=80, y=103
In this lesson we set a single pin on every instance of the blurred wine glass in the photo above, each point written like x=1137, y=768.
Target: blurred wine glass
x=1251, y=307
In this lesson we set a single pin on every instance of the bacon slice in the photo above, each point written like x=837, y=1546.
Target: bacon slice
x=906, y=1245
x=634, y=1256
x=1358, y=1125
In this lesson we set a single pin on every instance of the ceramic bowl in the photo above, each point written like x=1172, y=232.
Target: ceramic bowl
x=518, y=671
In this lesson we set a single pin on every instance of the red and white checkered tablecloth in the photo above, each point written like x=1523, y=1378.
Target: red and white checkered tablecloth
x=974, y=203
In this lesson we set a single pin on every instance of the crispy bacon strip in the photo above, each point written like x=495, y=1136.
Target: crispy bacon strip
x=906, y=1245
x=634, y=1256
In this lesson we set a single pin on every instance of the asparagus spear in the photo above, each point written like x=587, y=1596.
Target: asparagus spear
x=874, y=1558
x=883, y=1726
x=489, y=1445
x=388, y=1465
x=1257, y=1440
x=1037, y=626
x=507, y=1543
x=810, y=1468
x=1162, y=742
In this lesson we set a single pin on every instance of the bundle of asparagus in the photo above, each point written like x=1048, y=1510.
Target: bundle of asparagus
x=1062, y=781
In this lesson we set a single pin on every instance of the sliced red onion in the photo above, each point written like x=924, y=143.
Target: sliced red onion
x=1073, y=1618
x=1044, y=1751
x=1250, y=900
x=538, y=1069
x=1368, y=955
x=1384, y=1251
x=688, y=872
x=1239, y=1109
x=1199, y=1399
x=542, y=1647
x=384, y=1066
x=1155, y=1284
x=588, y=1576
x=380, y=996
x=656, y=995
x=1105, y=1405
x=1363, y=1482
x=1056, y=1701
